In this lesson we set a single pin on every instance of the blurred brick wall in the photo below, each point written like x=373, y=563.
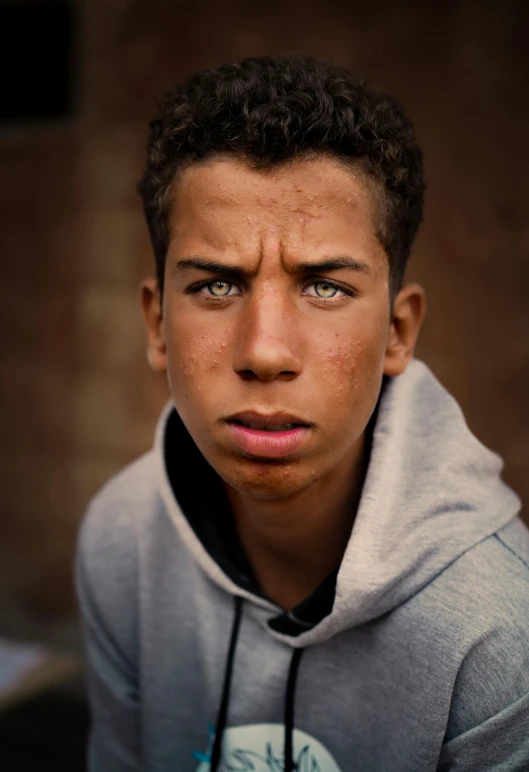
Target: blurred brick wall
x=78, y=401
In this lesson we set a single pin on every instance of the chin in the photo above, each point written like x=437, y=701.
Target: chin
x=266, y=479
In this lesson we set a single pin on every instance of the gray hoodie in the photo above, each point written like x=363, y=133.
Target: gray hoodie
x=412, y=657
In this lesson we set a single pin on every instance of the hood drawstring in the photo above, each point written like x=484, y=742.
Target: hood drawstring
x=223, y=710
x=290, y=764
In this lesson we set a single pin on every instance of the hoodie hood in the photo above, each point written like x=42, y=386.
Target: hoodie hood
x=432, y=491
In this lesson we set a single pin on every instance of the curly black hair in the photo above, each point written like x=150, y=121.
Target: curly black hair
x=269, y=110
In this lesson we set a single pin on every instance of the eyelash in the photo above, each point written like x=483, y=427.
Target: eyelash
x=196, y=288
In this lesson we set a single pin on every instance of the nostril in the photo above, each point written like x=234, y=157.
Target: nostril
x=247, y=375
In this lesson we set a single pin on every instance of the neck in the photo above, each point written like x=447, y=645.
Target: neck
x=293, y=544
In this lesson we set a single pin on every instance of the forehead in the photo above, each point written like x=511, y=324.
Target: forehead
x=308, y=202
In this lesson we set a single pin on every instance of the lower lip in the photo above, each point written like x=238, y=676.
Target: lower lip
x=265, y=444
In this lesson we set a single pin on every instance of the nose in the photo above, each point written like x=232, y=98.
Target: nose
x=267, y=343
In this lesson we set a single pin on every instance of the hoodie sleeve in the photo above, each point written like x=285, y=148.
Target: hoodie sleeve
x=114, y=744
x=500, y=743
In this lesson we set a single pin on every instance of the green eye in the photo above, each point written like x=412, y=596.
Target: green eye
x=219, y=288
x=325, y=290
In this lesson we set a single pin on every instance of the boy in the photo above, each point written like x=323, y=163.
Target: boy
x=317, y=567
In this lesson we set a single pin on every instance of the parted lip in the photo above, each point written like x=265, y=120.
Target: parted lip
x=264, y=420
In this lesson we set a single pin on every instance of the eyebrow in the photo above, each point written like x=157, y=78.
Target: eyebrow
x=343, y=262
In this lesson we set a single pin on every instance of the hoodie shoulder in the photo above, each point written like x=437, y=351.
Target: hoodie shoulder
x=484, y=594
x=118, y=511
x=107, y=546
x=487, y=590
x=515, y=538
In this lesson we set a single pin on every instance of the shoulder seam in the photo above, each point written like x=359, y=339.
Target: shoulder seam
x=513, y=552
x=459, y=557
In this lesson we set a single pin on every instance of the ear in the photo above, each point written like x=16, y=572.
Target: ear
x=152, y=316
x=409, y=308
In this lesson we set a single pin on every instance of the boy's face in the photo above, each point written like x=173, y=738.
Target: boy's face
x=272, y=334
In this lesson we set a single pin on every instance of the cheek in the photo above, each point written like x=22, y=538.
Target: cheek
x=352, y=364
x=196, y=353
